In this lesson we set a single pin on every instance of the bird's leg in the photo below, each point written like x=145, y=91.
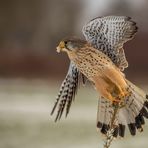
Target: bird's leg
x=111, y=98
x=121, y=92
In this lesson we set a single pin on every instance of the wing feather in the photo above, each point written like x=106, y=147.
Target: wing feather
x=108, y=34
x=67, y=91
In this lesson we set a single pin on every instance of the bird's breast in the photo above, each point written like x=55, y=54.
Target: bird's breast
x=89, y=64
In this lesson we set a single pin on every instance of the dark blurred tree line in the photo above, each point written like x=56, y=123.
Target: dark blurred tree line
x=31, y=29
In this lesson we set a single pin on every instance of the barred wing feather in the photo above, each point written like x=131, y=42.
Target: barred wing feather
x=108, y=34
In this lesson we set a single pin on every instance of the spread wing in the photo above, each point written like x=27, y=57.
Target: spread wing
x=67, y=91
x=108, y=34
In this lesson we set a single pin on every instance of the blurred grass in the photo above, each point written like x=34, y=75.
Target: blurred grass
x=25, y=120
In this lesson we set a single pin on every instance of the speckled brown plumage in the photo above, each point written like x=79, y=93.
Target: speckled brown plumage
x=101, y=59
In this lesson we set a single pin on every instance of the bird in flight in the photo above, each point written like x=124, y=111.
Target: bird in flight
x=100, y=58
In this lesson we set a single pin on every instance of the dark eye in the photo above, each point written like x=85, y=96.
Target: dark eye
x=67, y=45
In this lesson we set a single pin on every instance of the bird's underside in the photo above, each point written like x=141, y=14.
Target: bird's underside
x=101, y=60
x=99, y=69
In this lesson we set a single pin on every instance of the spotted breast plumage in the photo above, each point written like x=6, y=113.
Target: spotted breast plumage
x=101, y=59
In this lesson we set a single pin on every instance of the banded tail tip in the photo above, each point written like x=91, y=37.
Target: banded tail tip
x=118, y=130
x=104, y=129
x=132, y=129
x=115, y=132
x=121, y=130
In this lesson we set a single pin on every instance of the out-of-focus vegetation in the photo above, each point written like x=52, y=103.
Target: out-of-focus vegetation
x=30, y=31
x=25, y=119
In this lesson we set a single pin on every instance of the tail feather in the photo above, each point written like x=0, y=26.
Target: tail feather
x=105, y=112
x=131, y=115
x=121, y=130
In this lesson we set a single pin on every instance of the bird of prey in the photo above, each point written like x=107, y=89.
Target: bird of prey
x=100, y=59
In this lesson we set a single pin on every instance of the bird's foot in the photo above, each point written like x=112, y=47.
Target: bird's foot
x=118, y=103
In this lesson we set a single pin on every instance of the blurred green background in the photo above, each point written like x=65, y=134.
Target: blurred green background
x=31, y=71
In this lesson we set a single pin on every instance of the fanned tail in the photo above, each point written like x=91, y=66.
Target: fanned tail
x=131, y=114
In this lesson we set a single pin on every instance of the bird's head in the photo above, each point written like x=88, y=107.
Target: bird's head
x=71, y=45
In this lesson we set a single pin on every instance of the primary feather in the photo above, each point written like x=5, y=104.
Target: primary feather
x=68, y=91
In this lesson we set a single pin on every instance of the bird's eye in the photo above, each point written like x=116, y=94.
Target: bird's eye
x=67, y=45
x=65, y=42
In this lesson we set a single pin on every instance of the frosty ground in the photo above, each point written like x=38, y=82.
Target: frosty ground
x=25, y=120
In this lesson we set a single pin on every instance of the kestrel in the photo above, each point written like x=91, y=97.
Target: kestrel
x=100, y=59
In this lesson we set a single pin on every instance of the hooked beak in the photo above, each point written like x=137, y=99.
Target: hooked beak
x=61, y=47
x=58, y=49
